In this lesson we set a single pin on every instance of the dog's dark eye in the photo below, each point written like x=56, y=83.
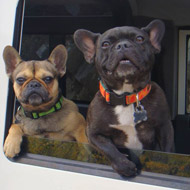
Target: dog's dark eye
x=20, y=80
x=105, y=44
x=47, y=79
x=139, y=39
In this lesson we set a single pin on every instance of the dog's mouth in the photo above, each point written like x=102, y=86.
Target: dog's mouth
x=126, y=61
x=124, y=65
x=35, y=99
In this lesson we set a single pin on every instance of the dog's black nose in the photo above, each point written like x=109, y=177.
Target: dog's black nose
x=122, y=46
x=34, y=84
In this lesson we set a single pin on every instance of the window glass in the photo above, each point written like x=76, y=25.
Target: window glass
x=35, y=47
x=67, y=8
x=81, y=78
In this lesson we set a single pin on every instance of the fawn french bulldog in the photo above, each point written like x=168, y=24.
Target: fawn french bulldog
x=44, y=112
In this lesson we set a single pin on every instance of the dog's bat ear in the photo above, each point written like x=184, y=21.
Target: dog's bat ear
x=11, y=58
x=86, y=42
x=59, y=57
x=156, y=30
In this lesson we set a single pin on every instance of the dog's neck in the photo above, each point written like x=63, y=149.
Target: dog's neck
x=36, y=115
x=126, y=88
x=133, y=87
x=123, y=96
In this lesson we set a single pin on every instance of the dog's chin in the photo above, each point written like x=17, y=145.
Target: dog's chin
x=35, y=99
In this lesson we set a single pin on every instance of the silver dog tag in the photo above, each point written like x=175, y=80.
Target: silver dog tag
x=140, y=114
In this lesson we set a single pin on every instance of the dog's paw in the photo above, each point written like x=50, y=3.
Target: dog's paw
x=12, y=145
x=125, y=168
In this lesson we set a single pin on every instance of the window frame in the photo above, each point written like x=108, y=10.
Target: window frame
x=105, y=171
x=182, y=70
x=72, y=166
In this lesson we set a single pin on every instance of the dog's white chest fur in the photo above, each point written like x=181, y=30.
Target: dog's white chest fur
x=126, y=124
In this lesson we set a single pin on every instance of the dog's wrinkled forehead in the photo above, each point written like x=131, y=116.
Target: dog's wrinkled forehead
x=34, y=69
x=124, y=32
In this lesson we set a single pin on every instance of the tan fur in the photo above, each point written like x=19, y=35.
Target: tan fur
x=66, y=124
x=13, y=141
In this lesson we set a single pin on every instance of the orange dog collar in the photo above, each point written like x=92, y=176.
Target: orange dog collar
x=124, y=99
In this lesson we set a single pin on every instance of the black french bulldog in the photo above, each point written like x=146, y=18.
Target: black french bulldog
x=129, y=110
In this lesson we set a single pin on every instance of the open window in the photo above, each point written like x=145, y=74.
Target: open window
x=45, y=24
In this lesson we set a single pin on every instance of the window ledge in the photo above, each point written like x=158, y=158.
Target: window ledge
x=103, y=171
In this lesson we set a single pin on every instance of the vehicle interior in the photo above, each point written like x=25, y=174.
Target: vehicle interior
x=41, y=25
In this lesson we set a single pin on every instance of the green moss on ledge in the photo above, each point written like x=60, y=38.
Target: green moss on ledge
x=167, y=163
x=158, y=162
x=61, y=149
